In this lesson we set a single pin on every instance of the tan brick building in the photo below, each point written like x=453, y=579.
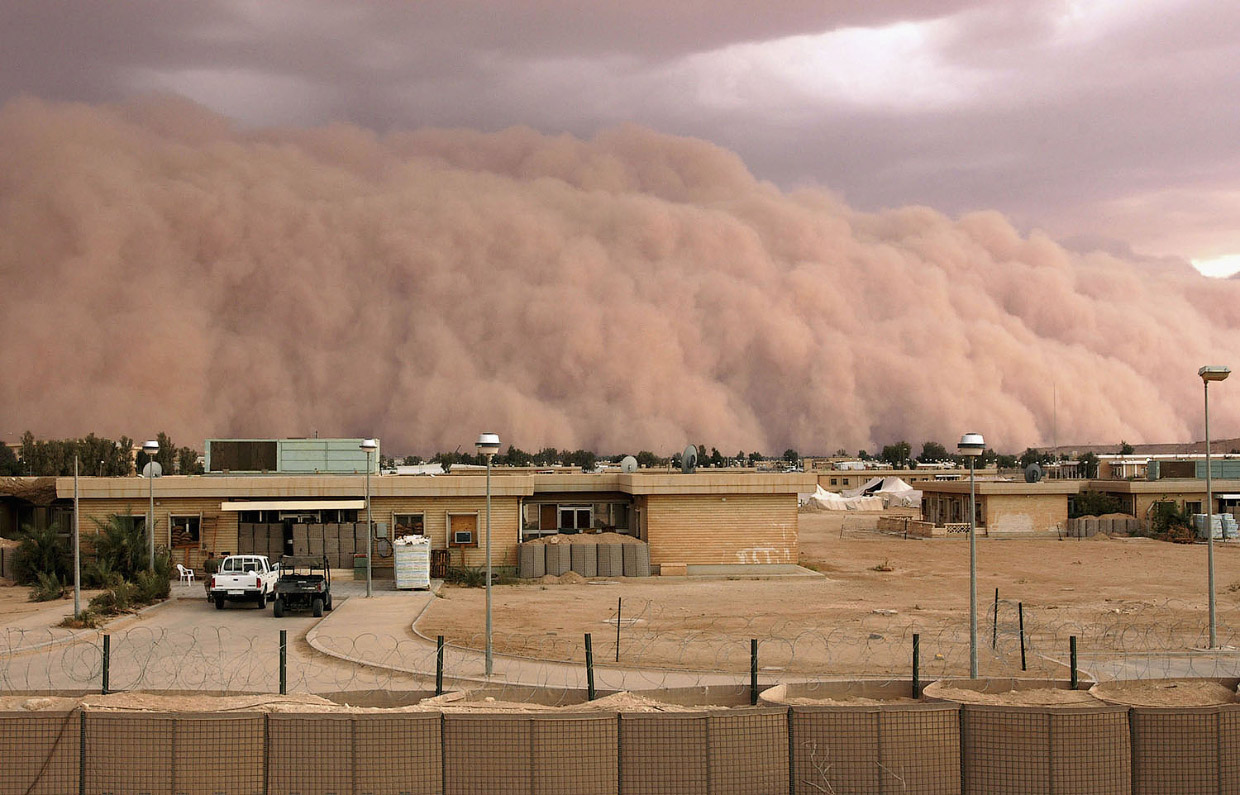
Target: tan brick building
x=1007, y=508
x=705, y=518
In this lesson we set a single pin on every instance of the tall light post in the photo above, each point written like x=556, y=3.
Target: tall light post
x=151, y=447
x=488, y=446
x=1211, y=373
x=972, y=445
x=370, y=446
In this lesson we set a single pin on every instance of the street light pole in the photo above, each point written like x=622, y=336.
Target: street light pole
x=370, y=446
x=150, y=448
x=972, y=445
x=488, y=445
x=1208, y=374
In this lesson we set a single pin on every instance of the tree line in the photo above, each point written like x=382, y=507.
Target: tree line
x=96, y=455
x=586, y=459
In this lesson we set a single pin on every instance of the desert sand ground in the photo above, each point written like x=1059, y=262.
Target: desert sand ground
x=1118, y=596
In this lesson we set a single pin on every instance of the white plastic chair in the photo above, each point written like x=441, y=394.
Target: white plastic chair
x=187, y=575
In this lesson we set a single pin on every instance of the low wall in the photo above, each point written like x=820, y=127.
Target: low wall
x=910, y=526
x=1088, y=526
x=904, y=746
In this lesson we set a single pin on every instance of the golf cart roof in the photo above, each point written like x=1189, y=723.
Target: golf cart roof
x=311, y=561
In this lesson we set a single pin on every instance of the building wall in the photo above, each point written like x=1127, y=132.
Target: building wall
x=721, y=529
x=218, y=530
x=1025, y=514
x=505, y=521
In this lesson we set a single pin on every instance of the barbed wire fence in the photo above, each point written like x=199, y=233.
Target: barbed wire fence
x=654, y=648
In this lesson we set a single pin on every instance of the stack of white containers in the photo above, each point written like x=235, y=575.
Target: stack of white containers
x=1222, y=525
x=413, y=562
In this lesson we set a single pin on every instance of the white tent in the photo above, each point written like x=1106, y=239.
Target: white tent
x=823, y=500
x=893, y=492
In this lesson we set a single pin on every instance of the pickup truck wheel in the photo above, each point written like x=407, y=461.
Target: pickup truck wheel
x=277, y=608
x=262, y=599
x=316, y=607
x=219, y=601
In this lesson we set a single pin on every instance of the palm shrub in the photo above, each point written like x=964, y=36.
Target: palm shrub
x=154, y=586
x=47, y=588
x=121, y=546
x=42, y=551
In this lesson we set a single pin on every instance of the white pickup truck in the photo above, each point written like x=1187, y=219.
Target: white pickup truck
x=244, y=578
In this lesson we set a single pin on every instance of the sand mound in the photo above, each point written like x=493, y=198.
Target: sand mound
x=586, y=538
x=625, y=701
x=801, y=701
x=156, y=702
x=567, y=578
x=1165, y=693
x=36, y=704
x=1036, y=697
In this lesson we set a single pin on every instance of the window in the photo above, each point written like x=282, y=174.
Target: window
x=409, y=524
x=835, y=481
x=462, y=529
x=186, y=531
x=575, y=518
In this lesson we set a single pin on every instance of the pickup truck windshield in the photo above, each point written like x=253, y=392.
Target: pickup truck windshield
x=238, y=566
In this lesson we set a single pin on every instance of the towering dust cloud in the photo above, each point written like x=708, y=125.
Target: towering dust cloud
x=160, y=269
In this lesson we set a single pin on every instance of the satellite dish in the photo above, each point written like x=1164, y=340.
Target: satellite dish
x=1033, y=473
x=688, y=461
x=153, y=469
x=628, y=464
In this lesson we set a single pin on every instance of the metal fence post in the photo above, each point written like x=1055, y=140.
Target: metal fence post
x=994, y=629
x=619, y=605
x=439, y=665
x=589, y=667
x=1020, y=606
x=916, y=665
x=753, y=671
x=1072, y=657
x=81, y=751
x=284, y=662
x=107, y=661
x=266, y=752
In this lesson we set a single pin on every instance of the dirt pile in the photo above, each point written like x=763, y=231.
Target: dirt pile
x=1165, y=693
x=567, y=578
x=1035, y=697
x=585, y=538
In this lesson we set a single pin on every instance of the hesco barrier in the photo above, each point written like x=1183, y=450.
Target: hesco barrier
x=926, y=747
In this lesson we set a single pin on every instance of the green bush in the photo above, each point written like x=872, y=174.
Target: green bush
x=151, y=587
x=42, y=551
x=100, y=574
x=118, y=599
x=121, y=546
x=468, y=576
x=1094, y=503
x=47, y=589
x=87, y=619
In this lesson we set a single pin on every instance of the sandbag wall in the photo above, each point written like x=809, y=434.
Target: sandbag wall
x=589, y=560
x=337, y=541
x=260, y=539
x=1088, y=526
x=889, y=748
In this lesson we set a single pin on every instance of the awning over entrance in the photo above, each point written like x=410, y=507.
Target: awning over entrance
x=293, y=505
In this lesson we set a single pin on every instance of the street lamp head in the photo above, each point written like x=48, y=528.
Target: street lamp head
x=972, y=444
x=1214, y=372
x=488, y=444
x=369, y=445
x=150, y=447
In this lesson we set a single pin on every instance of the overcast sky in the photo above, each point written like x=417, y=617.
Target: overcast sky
x=1107, y=123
